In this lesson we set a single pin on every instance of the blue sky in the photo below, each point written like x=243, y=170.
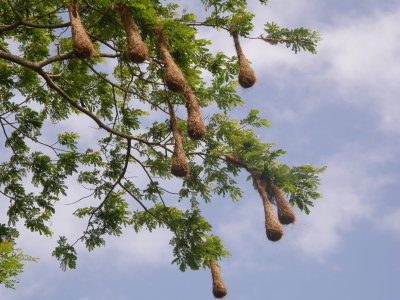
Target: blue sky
x=339, y=108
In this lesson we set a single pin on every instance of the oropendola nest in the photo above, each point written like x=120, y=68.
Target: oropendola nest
x=247, y=77
x=138, y=51
x=219, y=288
x=286, y=214
x=81, y=43
x=273, y=227
x=179, y=165
x=195, y=123
x=173, y=75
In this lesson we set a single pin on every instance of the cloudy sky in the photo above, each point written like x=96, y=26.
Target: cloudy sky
x=339, y=108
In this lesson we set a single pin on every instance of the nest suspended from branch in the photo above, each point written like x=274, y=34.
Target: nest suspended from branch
x=247, y=77
x=195, y=122
x=179, y=165
x=273, y=227
x=81, y=43
x=219, y=288
x=286, y=214
x=137, y=49
x=173, y=75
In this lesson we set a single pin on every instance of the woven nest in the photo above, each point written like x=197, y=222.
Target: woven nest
x=173, y=75
x=247, y=77
x=179, y=165
x=81, y=43
x=195, y=123
x=137, y=49
x=273, y=227
x=286, y=214
x=219, y=288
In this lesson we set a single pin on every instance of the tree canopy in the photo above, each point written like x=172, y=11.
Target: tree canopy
x=139, y=72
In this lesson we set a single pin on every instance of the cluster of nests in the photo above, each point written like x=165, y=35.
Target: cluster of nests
x=175, y=81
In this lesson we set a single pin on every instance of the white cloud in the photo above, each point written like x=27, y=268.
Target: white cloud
x=357, y=59
x=351, y=193
x=391, y=221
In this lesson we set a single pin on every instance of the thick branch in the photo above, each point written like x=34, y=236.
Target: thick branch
x=4, y=28
x=14, y=58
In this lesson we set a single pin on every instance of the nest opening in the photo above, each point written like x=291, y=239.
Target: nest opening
x=81, y=43
x=219, y=289
x=138, y=51
x=247, y=77
x=195, y=123
x=173, y=76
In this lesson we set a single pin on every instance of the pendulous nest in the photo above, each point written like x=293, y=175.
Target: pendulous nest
x=219, y=288
x=286, y=214
x=195, y=122
x=273, y=227
x=81, y=43
x=179, y=165
x=247, y=77
x=138, y=51
x=173, y=75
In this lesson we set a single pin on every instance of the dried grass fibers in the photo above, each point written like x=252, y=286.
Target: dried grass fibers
x=179, y=165
x=286, y=214
x=219, y=288
x=195, y=123
x=273, y=227
x=138, y=51
x=173, y=76
x=81, y=43
x=247, y=77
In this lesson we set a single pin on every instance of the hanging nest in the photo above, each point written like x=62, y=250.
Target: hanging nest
x=247, y=77
x=179, y=165
x=137, y=49
x=81, y=43
x=173, y=75
x=273, y=227
x=219, y=288
x=286, y=214
x=195, y=123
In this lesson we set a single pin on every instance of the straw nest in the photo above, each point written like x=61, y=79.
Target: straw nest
x=286, y=214
x=137, y=49
x=173, y=75
x=273, y=227
x=179, y=165
x=219, y=288
x=195, y=122
x=247, y=77
x=81, y=43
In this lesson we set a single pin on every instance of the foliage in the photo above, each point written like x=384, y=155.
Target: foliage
x=42, y=84
x=11, y=259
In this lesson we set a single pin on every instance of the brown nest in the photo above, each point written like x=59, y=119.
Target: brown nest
x=81, y=43
x=273, y=227
x=137, y=49
x=179, y=165
x=286, y=214
x=195, y=122
x=247, y=77
x=173, y=75
x=219, y=288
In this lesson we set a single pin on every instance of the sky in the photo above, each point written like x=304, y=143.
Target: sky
x=339, y=108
